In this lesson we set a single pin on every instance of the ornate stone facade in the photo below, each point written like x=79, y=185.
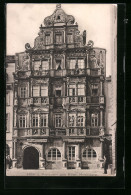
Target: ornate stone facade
x=59, y=98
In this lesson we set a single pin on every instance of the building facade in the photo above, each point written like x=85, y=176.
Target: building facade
x=10, y=68
x=59, y=99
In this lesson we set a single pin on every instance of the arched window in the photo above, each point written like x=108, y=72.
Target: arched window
x=7, y=150
x=89, y=154
x=54, y=154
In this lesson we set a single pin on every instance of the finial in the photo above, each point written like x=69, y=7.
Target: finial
x=58, y=6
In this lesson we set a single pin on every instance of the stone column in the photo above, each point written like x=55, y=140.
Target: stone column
x=101, y=118
x=42, y=160
x=64, y=158
x=101, y=86
x=78, y=161
x=63, y=150
x=14, y=160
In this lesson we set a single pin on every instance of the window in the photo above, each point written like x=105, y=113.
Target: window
x=35, y=120
x=7, y=122
x=72, y=89
x=72, y=120
x=89, y=154
x=58, y=38
x=47, y=39
x=70, y=38
x=81, y=63
x=58, y=93
x=71, y=152
x=58, y=120
x=72, y=64
x=81, y=120
x=23, y=92
x=45, y=65
x=22, y=121
x=94, y=89
x=44, y=120
x=37, y=65
x=81, y=90
x=7, y=98
x=44, y=90
x=71, y=131
x=54, y=154
x=94, y=120
x=58, y=64
x=36, y=91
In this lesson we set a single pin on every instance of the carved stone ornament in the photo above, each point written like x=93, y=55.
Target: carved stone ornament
x=27, y=46
x=59, y=16
x=90, y=43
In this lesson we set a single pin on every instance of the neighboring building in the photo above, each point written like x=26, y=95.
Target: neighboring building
x=10, y=68
x=59, y=99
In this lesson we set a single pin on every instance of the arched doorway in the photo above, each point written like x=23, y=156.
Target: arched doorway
x=31, y=158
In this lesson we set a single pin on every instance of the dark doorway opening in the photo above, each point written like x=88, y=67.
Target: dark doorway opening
x=31, y=158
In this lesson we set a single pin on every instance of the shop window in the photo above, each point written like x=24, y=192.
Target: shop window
x=58, y=120
x=89, y=154
x=45, y=65
x=94, y=88
x=22, y=121
x=72, y=64
x=23, y=92
x=94, y=120
x=81, y=90
x=81, y=64
x=54, y=154
x=37, y=65
x=71, y=153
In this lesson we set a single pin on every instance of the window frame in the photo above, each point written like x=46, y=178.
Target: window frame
x=47, y=65
x=47, y=40
x=44, y=120
x=54, y=155
x=70, y=122
x=72, y=63
x=58, y=120
x=94, y=120
x=35, y=120
x=85, y=155
x=70, y=38
x=81, y=117
x=22, y=120
x=79, y=88
x=37, y=65
x=81, y=63
x=96, y=87
x=23, y=92
x=70, y=152
x=60, y=37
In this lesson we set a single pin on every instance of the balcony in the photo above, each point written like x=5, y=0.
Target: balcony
x=40, y=73
x=33, y=132
x=76, y=99
x=58, y=132
x=76, y=132
x=24, y=74
x=76, y=72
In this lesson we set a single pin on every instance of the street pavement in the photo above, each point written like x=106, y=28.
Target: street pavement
x=60, y=172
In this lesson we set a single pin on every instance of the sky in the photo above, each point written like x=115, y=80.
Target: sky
x=23, y=22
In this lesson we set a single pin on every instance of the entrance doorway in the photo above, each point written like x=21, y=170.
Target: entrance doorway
x=31, y=158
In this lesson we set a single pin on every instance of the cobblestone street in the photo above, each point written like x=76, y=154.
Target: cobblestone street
x=68, y=172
